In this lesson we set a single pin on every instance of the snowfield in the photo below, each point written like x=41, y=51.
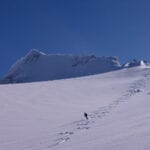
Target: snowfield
x=49, y=115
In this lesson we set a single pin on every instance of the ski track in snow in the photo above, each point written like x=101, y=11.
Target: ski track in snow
x=67, y=131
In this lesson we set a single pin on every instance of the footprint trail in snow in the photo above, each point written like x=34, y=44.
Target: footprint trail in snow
x=67, y=131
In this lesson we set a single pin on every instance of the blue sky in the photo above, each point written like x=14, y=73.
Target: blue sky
x=101, y=27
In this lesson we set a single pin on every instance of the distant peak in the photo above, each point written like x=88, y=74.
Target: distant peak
x=33, y=55
x=33, y=52
x=144, y=63
x=134, y=63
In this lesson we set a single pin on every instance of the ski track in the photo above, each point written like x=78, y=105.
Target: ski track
x=67, y=131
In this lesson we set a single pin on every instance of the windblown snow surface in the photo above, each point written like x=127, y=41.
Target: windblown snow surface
x=49, y=115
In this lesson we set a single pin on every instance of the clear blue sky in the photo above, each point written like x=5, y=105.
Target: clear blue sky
x=101, y=27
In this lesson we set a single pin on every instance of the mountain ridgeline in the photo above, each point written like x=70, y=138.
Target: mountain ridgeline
x=38, y=66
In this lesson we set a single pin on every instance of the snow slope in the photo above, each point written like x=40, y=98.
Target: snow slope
x=49, y=115
x=37, y=66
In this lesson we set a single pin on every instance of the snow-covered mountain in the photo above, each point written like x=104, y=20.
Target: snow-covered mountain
x=37, y=66
x=49, y=115
x=135, y=63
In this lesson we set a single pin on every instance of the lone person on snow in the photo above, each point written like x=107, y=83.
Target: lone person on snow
x=86, y=115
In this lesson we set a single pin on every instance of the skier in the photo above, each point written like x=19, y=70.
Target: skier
x=86, y=115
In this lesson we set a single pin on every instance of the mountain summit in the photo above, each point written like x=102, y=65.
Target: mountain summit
x=38, y=66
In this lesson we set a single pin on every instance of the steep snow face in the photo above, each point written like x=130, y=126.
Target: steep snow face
x=37, y=66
